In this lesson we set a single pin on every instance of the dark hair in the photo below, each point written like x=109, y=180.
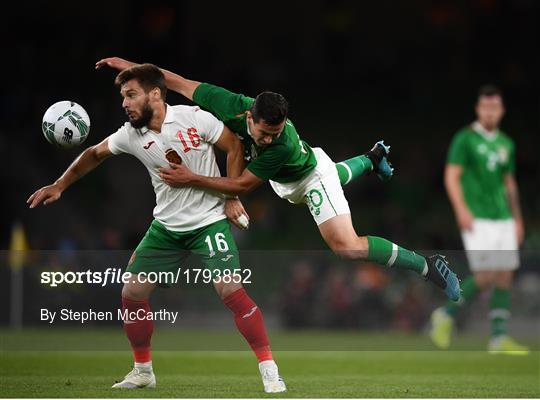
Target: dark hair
x=148, y=75
x=489, y=90
x=271, y=107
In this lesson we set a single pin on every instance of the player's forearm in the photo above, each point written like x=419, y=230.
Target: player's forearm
x=179, y=84
x=235, y=161
x=454, y=190
x=226, y=185
x=83, y=164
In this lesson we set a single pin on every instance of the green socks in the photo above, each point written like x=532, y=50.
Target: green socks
x=499, y=311
x=352, y=168
x=390, y=254
x=469, y=290
x=499, y=305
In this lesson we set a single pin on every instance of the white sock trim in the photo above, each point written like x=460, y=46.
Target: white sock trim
x=425, y=270
x=393, y=258
x=348, y=171
x=499, y=313
x=145, y=365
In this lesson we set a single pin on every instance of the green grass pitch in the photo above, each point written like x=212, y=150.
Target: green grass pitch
x=308, y=373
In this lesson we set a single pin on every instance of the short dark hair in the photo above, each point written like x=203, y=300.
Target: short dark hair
x=148, y=75
x=489, y=90
x=271, y=107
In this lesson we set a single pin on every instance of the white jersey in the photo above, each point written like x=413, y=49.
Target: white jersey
x=191, y=132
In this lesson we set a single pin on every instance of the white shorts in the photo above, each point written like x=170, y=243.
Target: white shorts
x=492, y=245
x=321, y=190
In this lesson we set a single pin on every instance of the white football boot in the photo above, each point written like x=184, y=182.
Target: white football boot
x=138, y=378
x=273, y=383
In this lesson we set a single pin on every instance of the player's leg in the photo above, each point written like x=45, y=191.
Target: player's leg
x=216, y=247
x=339, y=234
x=157, y=252
x=249, y=320
x=375, y=159
x=135, y=297
x=442, y=318
x=323, y=193
x=500, y=342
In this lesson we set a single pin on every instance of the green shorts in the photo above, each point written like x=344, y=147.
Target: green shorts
x=162, y=250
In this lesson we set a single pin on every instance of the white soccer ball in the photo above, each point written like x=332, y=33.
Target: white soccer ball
x=66, y=124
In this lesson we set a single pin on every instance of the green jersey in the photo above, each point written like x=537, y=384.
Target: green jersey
x=286, y=159
x=485, y=159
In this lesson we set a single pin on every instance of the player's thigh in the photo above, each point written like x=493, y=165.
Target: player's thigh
x=158, y=257
x=338, y=232
x=324, y=196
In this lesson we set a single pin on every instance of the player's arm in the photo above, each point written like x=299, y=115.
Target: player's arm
x=243, y=184
x=264, y=168
x=180, y=175
x=83, y=164
x=452, y=183
x=229, y=143
x=174, y=82
x=512, y=191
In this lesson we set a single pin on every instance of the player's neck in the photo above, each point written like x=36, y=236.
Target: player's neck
x=157, y=120
x=487, y=128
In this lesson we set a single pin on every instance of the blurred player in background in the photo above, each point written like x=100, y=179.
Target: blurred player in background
x=480, y=182
x=296, y=172
x=186, y=219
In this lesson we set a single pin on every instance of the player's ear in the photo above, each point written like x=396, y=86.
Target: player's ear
x=155, y=93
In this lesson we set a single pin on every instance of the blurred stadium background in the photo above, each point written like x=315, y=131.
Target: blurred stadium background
x=407, y=72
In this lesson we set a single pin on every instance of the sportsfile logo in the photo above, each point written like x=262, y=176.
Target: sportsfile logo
x=116, y=276
x=102, y=278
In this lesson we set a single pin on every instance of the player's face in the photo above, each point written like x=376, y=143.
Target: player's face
x=262, y=133
x=136, y=104
x=490, y=110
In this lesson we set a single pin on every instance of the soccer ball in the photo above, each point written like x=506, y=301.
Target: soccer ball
x=66, y=124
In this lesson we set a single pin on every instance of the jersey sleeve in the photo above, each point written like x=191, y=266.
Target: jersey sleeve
x=457, y=153
x=511, y=166
x=118, y=142
x=222, y=103
x=209, y=127
x=268, y=164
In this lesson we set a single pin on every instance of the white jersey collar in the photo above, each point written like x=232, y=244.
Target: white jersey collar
x=488, y=135
x=169, y=118
x=248, y=130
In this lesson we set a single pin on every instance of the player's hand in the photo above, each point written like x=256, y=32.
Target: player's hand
x=115, y=62
x=520, y=231
x=46, y=195
x=465, y=220
x=177, y=175
x=234, y=209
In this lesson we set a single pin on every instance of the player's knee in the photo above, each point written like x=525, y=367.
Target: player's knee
x=484, y=279
x=503, y=279
x=224, y=290
x=135, y=291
